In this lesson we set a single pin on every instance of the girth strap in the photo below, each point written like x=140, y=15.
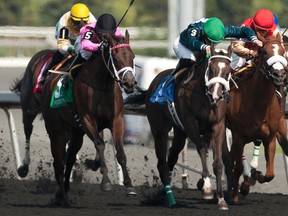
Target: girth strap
x=172, y=110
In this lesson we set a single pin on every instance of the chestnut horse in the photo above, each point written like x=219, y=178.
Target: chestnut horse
x=200, y=105
x=98, y=103
x=256, y=112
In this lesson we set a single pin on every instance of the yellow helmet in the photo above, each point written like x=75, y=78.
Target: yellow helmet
x=79, y=12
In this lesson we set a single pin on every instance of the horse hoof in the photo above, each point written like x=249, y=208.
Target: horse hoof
x=245, y=186
x=235, y=198
x=59, y=200
x=106, y=186
x=131, y=191
x=23, y=171
x=77, y=176
x=252, y=181
x=92, y=164
x=207, y=194
x=200, y=184
x=222, y=205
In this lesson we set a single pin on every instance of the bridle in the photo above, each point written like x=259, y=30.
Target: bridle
x=114, y=72
x=215, y=80
x=270, y=62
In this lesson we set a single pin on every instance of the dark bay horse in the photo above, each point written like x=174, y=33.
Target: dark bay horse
x=30, y=102
x=98, y=103
x=256, y=113
x=200, y=104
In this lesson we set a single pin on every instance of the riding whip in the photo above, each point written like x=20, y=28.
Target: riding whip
x=131, y=2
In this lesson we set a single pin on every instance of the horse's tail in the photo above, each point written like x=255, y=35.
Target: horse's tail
x=16, y=86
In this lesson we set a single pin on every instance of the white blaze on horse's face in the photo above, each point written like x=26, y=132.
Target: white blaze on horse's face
x=278, y=62
x=221, y=66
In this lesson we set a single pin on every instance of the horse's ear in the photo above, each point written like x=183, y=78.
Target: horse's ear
x=212, y=47
x=106, y=36
x=260, y=37
x=230, y=50
x=278, y=36
x=127, y=35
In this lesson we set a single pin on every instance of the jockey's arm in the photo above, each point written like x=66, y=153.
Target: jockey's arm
x=239, y=48
x=63, y=42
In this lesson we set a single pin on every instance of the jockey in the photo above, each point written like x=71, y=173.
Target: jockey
x=67, y=29
x=198, y=36
x=91, y=38
x=263, y=23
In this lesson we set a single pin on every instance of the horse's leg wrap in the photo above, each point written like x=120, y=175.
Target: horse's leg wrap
x=170, y=195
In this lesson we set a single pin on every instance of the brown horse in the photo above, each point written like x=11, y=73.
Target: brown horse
x=98, y=103
x=31, y=105
x=30, y=102
x=200, y=105
x=256, y=113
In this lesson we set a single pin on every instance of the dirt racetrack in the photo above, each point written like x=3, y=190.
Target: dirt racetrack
x=34, y=194
x=34, y=198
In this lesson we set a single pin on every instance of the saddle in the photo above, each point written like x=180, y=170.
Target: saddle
x=243, y=73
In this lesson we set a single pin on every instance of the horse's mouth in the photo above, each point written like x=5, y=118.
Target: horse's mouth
x=128, y=89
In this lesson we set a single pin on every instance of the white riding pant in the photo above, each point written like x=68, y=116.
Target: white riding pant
x=78, y=49
x=182, y=52
x=237, y=62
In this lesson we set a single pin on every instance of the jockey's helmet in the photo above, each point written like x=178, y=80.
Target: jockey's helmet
x=214, y=29
x=106, y=23
x=79, y=12
x=263, y=19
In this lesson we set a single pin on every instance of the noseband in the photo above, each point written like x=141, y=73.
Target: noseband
x=270, y=62
x=214, y=80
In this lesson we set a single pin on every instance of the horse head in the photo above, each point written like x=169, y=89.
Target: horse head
x=121, y=58
x=217, y=75
x=272, y=56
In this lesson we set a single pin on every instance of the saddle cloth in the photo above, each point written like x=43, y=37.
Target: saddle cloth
x=164, y=91
x=61, y=96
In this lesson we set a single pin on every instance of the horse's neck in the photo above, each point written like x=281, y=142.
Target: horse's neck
x=260, y=90
x=96, y=75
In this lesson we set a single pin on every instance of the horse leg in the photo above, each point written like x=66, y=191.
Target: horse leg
x=28, y=128
x=161, y=148
x=204, y=183
x=219, y=137
x=94, y=164
x=118, y=137
x=100, y=147
x=270, y=148
x=58, y=153
x=236, y=153
x=177, y=146
x=74, y=147
x=228, y=166
x=282, y=135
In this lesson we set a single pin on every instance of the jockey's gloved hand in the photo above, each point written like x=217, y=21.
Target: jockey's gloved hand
x=208, y=51
x=258, y=43
x=70, y=49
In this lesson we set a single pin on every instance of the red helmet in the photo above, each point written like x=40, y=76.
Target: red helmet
x=263, y=19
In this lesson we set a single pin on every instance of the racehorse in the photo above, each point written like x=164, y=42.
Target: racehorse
x=200, y=106
x=30, y=103
x=256, y=112
x=98, y=104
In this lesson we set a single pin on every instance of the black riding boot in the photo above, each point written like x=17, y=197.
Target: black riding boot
x=56, y=58
x=78, y=60
x=183, y=63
